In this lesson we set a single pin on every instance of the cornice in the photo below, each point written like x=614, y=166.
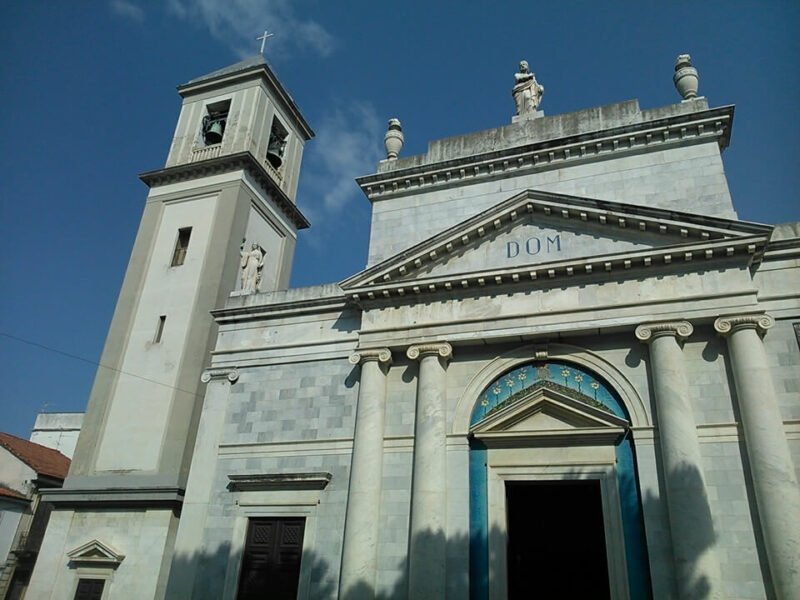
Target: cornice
x=677, y=329
x=226, y=79
x=589, y=436
x=713, y=124
x=224, y=164
x=694, y=237
x=278, y=481
x=255, y=311
x=747, y=249
x=782, y=249
x=730, y=324
x=117, y=497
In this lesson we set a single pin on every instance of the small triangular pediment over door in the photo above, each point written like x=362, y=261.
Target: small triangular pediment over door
x=541, y=235
x=549, y=416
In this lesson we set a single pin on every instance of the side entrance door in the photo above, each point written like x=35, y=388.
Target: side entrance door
x=271, y=562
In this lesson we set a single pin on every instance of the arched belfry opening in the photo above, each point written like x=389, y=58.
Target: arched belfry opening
x=553, y=487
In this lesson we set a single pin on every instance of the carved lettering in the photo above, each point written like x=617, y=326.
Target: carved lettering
x=533, y=248
x=543, y=244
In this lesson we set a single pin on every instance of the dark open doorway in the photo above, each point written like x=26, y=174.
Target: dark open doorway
x=556, y=540
x=271, y=562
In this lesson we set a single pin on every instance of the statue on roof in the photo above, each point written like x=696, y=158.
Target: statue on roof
x=527, y=92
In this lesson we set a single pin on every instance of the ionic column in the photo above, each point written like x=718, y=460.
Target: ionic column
x=427, y=544
x=693, y=538
x=360, y=550
x=774, y=480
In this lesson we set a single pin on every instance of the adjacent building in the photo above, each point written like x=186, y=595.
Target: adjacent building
x=27, y=470
x=58, y=431
x=567, y=367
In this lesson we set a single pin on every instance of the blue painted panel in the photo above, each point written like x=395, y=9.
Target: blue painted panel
x=512, y=386
x=593, y=390
x=478, y=524
x=632, y=521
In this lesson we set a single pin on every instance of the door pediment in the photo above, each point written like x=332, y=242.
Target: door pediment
x=549, y=416
x=543, y=236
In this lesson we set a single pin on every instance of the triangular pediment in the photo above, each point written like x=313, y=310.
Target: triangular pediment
x=96, y=552
x=549, y=416
x=541, y=235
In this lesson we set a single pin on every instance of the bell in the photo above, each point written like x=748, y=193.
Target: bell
x=213, y=133
x=274, y=152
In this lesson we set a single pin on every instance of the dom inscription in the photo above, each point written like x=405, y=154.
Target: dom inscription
x=534, y=245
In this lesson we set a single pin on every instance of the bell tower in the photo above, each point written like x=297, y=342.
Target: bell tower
x=219, y=219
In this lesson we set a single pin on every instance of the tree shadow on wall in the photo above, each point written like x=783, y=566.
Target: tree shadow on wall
x=715, y=348
x=455, y=569
x=687, y=556
x=208, y=570
x=201, y=575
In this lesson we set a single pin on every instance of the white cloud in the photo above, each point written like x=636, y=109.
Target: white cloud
x=346, y=146
x=238, y=22
x=128, y=10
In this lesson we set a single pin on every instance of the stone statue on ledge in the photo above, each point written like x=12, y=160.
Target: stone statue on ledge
x=251, y=263
x=527, y=92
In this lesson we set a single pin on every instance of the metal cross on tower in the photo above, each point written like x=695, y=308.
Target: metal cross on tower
x=264, y=39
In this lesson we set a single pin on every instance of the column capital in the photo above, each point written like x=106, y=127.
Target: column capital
x=381, y=355
x=677, y=329
x=728, y=324
x=231, y=375
x=441, y=349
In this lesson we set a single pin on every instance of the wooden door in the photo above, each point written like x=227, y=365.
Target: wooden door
x=271, y=561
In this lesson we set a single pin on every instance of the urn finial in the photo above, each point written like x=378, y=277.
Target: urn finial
x=686, y=79
x=393, y=140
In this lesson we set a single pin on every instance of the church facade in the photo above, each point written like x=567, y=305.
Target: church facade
x=568, y=369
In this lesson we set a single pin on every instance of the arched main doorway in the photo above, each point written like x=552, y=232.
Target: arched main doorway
x=554, y=498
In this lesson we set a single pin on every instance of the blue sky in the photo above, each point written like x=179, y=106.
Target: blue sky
x=89, y=102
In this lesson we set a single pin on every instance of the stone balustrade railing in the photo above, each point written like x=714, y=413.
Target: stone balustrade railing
x=206, y=152
x=276, y=174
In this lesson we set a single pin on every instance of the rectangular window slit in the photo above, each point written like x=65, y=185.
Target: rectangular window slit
x=160, y=329
x=181, y=246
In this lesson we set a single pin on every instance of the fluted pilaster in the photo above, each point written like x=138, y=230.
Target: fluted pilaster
x=360, y=549
x=774, y=480
x=693, y=537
